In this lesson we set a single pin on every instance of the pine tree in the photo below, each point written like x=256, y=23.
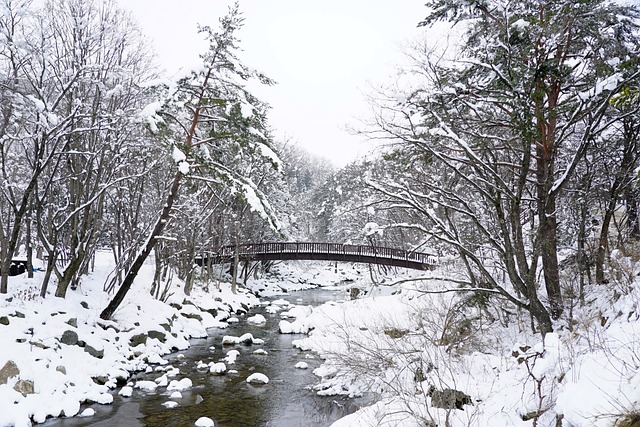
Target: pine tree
x=214, y=115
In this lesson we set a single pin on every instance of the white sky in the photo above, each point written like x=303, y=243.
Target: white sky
x=324, y=54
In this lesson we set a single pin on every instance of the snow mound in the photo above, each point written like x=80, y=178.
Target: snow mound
x=231, y=356
x=89, y=412
x=217, y=368
x=257, y=378
x=169, y=404
x=246, y=339
x=146, y=385
x=205, y=422
x=126, y=391
x=258, y=319
x=183, y=384
x=299, y=326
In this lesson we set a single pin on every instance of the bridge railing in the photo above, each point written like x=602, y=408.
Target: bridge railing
x=329, y=248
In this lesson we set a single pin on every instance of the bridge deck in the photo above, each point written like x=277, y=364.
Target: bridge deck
x=323, y=251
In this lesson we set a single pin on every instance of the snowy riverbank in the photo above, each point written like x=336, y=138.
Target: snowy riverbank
x=427, y=358
x=429, y=366
x=57, y=353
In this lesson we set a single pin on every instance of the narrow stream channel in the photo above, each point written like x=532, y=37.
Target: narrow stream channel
x=286, y=401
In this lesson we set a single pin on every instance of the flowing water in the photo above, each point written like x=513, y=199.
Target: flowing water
x=286, y=401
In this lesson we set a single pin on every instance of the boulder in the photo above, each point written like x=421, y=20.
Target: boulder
x=192, y=316
x=9, y=370
x=4, y=320
x=69, y=337
x=24, y=386
x=138, y=339
x=257, y=378
x=99, y=354
x=448, y=398
x=160, y=336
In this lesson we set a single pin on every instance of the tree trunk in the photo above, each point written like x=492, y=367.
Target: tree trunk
x=620, y=184
x=603, y=242
x=540, y=313
x=12, y=240
x=548, y=235
x=581, y=254
x=188, y=281
x=631, y=201
x=165, y=214
x=29, y=248
x=51, y=263
x=548, y=232
x=546, y=117
x=69, y=275
x=157, y=275
x=234, y=277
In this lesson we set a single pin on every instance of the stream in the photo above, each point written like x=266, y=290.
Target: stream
x=286, y=401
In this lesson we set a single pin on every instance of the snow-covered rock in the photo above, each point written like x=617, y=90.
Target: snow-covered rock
x=257, y=378
x=89, y=412
x=126, y=391
x=258, y=319
x=169, y=404
x=218, y=368
x=146, y=385
x=180, y=385
x=205, y=422
x=231, y=356
x=246, y=339
x=299, y=326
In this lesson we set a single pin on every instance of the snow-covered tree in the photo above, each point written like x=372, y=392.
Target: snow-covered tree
x=71, y=73
x=497, y=128
x=304, y=174
x=212, y=126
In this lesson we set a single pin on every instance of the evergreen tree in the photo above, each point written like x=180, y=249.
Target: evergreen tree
x=220, y=125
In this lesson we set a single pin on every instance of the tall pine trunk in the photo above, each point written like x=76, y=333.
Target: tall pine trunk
x=165, y=214
x=547, y=229
x=547, y=92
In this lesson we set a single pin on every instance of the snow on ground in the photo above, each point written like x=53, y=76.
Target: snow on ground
x=57, y=353
x=422, y=359
x=403, y=350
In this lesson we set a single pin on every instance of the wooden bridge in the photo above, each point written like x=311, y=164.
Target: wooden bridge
x=322, y=251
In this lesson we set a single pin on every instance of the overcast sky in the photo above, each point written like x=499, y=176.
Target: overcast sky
x=323, y=54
